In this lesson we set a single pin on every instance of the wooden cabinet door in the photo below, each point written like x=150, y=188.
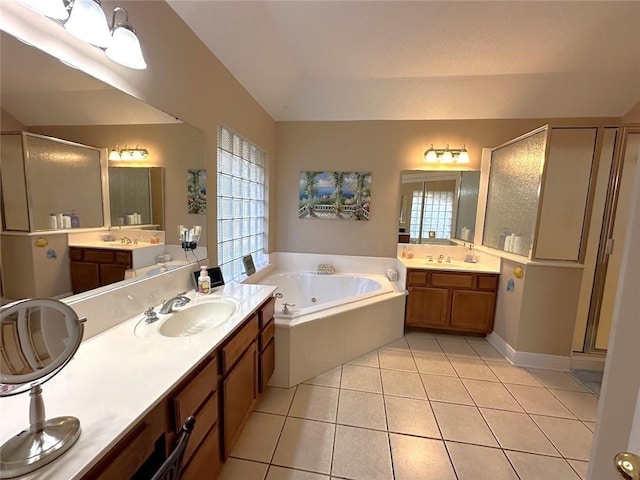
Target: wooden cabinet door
x=206, y=463
x=84, y=276
x=111, y=273
x=267, y=364
x=473, y=311
x=240, y=393
x=427, y=307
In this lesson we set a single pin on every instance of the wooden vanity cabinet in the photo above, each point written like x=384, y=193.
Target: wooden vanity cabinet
x=239, y=359
x=266, y=343
x=451, y=301
x=96, y=267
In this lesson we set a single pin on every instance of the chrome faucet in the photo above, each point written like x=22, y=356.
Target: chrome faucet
x=126, y=240
x=179, y=300
x=440, y=258
x=285, y=308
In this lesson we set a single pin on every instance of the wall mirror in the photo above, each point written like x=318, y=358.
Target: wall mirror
x=43, y=96
x=437, y=206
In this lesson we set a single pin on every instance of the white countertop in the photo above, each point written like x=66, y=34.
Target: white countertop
x=116, y=378
x=114, y=245
x=454, y=265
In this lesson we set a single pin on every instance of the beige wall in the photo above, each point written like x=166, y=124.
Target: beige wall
x=8, y=123
x=184, y=79
x=383, y=148
x=176, y=147
x=633, y=115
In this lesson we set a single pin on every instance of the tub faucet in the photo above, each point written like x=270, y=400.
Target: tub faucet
x=126, y=240
x=179, y=300
x=285, y=307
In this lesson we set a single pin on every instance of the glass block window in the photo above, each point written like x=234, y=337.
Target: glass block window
x=437, y=214
x=241, y=203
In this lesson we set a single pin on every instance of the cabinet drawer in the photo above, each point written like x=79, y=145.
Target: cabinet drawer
x=487, y=282
x=123, y=258
x=75, y=254
x=416, y=277
x=233, y=350
x=267, y=365
x=459, y=280
x=133, y=451
x=267, y=334
x=266, y=312
x=187, y=402
x=205, y=463
x=98, y=256
x=206, y=418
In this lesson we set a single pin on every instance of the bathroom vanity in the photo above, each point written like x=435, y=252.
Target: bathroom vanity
x=133, y=391
x=455, y=301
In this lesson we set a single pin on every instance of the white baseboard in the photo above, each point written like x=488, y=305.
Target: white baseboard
x=582, y=361
x=528, y=359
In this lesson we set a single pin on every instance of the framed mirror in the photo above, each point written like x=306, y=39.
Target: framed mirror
x=70, y=105
x=437, y=206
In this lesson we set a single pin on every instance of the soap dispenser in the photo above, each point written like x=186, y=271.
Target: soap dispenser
x=204, y=280
x=470, y=257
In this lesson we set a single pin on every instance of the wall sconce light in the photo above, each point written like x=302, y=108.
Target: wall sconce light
x=446, y=155
x=86, y=20
x=127, y=153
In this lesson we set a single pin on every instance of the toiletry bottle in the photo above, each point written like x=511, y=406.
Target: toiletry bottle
x=53, y=221
x=204, y=280
x=75, y=219
x=66, y=220
x=469, y=256
x=404, y=253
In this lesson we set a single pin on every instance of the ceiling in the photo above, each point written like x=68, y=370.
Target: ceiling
x=368, y=60
x=44, y=91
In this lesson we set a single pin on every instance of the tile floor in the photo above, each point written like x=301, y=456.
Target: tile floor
x=424, y=407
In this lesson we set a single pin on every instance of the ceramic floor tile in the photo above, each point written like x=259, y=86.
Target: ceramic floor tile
x=557, y=380
x=327, y=379
x=411, y=416
x=366, y=379
x=580, y=467
x=458, y=349
x=582, y=405
x=400, y=344
x=516, y=431
x=508, y=373
x=259, y=437
x=536, y=467
x=396, y=360
x=361, y=409
x=279, y=473
x=571, y=437
x=276, y=400
x=471, y=368
x=462, y=423
x=234, y=469
x=361, y=454
x=411, y=334
x=468, y=460
x=306, y=445
x=367, y=360
x=538, y=400
x=434, y=364
x=487, y=352
x=425, y=345
x=449, y=337
x=590, y=425
x=404, y=384
x=315, y=403
x=414, y=456
x=491, y=395
x=477, y=340
x=445, y=389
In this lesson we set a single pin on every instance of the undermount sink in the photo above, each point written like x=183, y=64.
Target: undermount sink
x=198, y=317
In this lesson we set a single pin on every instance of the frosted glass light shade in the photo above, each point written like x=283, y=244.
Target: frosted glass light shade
x=430, y=156
x=49, y=8
x=463, y=157
x=89, y=23
x=125, y=48
x=114, y=155
x=446, y=157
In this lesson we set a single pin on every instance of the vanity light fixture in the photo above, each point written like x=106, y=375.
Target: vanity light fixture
x=446, y=155
x=86, y=20
x=55, y=9
x=127, y=153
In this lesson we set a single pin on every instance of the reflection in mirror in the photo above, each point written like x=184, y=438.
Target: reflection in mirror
x=70, y=105
x=137, y=191
x=437, y=206
x=37, y=339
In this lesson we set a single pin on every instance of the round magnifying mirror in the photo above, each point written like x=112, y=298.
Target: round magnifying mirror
x=37, y=339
